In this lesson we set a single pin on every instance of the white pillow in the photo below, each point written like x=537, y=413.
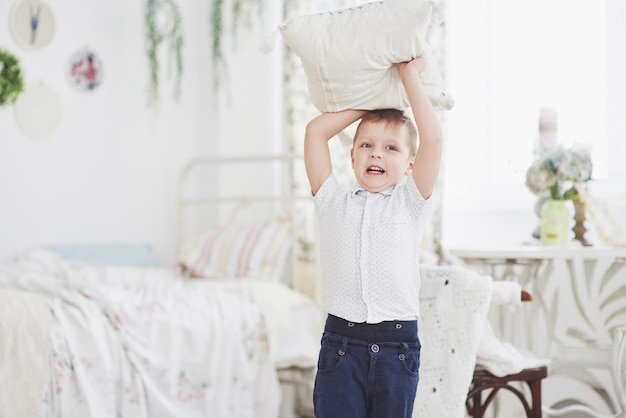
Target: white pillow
x=348, y=55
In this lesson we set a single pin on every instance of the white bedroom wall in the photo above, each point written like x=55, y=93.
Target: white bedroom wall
x=110, y=170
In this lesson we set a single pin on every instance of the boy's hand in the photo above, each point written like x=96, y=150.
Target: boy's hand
x=414, y=66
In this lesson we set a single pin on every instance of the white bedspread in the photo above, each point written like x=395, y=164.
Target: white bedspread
x=24, y=348
x=136, y=342
x=294, y=324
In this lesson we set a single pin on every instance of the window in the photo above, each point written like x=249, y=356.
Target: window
x=505, y=61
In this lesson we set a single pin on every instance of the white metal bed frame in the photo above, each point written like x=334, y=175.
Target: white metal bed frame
x=284, y=198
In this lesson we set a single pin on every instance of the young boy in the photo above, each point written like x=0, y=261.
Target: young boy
x=369, y=243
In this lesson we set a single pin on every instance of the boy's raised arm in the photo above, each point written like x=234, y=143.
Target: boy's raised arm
x=428, y=157
x=319, y=131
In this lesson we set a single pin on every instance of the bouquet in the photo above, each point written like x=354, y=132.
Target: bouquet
x=556, y=172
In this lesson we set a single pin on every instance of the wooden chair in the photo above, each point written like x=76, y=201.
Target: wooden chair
x=483, y=381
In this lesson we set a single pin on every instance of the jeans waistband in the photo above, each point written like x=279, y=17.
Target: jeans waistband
x=386, y=331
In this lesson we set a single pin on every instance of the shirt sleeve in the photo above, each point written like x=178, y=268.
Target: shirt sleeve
x=326, y=192
x=415, y=199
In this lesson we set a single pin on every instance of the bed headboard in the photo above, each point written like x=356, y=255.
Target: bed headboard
x=242, y=191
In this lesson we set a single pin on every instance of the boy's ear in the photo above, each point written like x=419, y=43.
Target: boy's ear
x=409, y=168
x=352, y=156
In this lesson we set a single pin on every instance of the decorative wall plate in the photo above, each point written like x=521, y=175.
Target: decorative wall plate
x=38, y=110
x=85, y=70
x=32, y=24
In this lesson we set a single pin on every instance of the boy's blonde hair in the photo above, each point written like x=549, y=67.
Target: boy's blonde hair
x=395, y=118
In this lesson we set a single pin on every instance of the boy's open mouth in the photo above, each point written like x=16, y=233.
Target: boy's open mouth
x=375, y=169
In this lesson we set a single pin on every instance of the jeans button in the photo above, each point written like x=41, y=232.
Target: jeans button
x=375, y=348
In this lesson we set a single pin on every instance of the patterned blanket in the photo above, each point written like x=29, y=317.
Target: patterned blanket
x=136, y=343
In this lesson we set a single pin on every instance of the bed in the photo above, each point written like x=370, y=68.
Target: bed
x=104, y=331
x=91, y=331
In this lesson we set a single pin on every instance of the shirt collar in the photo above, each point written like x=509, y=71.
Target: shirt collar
x=359, y=189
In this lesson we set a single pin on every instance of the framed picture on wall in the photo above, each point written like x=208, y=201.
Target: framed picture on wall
x=85, y=69
x=32, y=24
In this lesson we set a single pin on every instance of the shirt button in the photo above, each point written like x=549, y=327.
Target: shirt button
x=375, y=348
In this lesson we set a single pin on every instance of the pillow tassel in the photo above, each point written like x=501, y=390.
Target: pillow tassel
x=438, y=12
x=268, y=45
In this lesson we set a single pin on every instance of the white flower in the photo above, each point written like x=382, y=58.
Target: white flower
x=556, y=173
x=574, y=166
x=539, y=180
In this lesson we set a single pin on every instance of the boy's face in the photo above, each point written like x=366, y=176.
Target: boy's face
x=380, y=155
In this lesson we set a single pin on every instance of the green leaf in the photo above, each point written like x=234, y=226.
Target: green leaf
x=11, y=81
x=571, y=194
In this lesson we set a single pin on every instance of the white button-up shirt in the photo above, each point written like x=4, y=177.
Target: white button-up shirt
x=369, y=250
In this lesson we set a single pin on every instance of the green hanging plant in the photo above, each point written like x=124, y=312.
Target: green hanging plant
x=162, y=20
x=11, y=81
x=241, y=12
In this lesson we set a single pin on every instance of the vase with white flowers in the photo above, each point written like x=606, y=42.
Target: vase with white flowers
x=554, y=177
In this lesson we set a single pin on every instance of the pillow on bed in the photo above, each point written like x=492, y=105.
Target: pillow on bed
x=257, y=251
x=348, y=55
x=113, y=253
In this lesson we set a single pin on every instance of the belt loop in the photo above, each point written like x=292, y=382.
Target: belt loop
x=405, y=348
x=344, y=343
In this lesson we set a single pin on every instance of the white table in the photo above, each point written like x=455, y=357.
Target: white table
x=577, y=320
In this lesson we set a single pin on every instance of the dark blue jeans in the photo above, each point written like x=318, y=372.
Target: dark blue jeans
x=367, y=370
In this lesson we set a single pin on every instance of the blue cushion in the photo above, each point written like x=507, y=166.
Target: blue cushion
x=114, y=253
